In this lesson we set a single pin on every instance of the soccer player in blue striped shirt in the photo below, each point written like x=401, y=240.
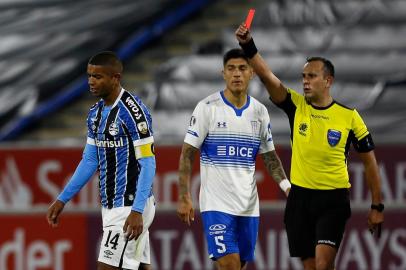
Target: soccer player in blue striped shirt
x=120, y=146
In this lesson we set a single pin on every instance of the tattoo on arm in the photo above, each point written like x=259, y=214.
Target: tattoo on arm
x=185, y=167
x=274, y=165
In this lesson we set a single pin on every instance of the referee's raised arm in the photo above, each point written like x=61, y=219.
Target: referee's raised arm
x=277, y=91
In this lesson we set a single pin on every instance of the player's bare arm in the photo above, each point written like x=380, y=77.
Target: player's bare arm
x=274, y=166
x=185, y=208
x=374, y=184
x=277, y=91
x=53, y=213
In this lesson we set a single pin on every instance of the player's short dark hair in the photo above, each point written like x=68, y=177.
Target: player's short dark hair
x=328, y=66
x=234, y=53
x=107, y=58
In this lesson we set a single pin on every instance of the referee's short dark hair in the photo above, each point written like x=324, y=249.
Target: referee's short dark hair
x=107, y=58
x=234, y=53
x=328, y=66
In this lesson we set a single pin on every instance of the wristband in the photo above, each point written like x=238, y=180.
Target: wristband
x=249, y=48
x=284, y=185
x=378, y=207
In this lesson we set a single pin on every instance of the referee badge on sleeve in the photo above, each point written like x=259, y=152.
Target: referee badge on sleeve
x=333, y=137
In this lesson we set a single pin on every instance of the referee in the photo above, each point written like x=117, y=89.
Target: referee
x=322, y=130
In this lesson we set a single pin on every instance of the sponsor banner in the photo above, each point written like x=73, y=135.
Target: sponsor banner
x=392, y=165
x=28, y=243
x=177, y=246
x=33, y=177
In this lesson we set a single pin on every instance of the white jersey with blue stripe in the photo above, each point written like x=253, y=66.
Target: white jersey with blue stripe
x=229, y=140
x=115, y=131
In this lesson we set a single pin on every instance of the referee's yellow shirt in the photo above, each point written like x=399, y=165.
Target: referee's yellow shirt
x=320, y=139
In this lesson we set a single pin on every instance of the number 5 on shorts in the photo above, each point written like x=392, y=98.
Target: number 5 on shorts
x=222, y=246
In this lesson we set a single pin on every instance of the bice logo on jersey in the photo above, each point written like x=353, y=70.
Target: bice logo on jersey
x=234, y=151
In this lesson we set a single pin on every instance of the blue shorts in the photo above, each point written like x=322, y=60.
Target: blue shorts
x=227, y=234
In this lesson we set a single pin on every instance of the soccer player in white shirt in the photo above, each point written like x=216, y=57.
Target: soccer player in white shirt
x=229, y=128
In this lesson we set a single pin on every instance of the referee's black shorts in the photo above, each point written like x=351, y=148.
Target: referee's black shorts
x=315, y=217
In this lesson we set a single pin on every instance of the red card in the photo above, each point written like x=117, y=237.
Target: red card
x=250, y=16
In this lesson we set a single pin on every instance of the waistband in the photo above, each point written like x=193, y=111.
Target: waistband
x=324, y=191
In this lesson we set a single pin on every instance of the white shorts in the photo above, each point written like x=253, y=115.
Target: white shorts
x=113, y=242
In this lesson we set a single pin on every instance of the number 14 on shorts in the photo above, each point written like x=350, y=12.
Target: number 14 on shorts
x=113, y=241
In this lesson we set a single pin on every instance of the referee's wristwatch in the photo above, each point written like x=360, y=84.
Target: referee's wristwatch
x=378, y=207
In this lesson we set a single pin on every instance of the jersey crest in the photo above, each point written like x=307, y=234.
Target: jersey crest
x=333, y=137
x=113, y=129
